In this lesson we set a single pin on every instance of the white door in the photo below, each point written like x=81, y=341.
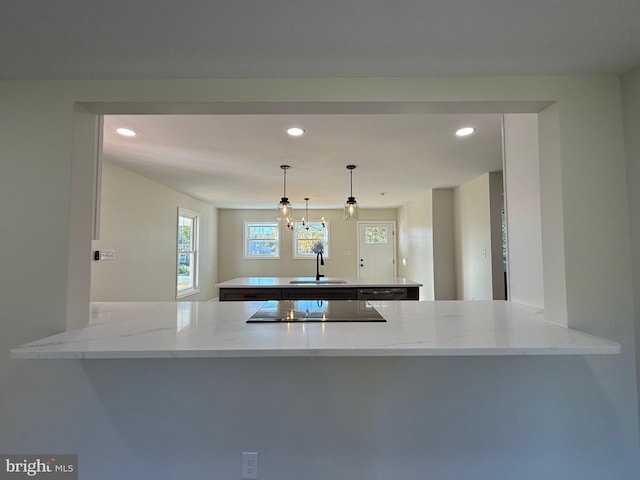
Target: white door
x=376, y=250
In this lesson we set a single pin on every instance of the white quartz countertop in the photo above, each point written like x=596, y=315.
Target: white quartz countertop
x=219, y=329
x=279, y=282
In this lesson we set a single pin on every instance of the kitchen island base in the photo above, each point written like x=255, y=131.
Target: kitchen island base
x=307, y=288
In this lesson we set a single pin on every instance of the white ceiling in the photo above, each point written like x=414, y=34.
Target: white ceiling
x=63, y=39
x=147, y=39
x=233, y=161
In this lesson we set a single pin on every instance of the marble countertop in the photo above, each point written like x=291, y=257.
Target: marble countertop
x=219, y=329
x=279, y=282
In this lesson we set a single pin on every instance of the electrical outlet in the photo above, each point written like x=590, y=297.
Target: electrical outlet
x=249, y=465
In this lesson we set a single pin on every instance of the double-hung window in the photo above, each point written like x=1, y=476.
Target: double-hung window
x=261, y=240
x=308, y=237
x=187, y=254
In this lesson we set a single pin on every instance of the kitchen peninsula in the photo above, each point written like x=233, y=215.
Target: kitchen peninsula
x=221, y=329
x=325, y=288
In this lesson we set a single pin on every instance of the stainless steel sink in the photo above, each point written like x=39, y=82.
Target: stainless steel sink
x=317, y=282
x=281, y=311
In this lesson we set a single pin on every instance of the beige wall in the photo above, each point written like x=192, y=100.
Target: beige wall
x=452, y=417
x=415, y=243
x=446, y=225
x=138, y=221
x=473, y=240
x=496, y=202
x=444, y=252
x=342, y=260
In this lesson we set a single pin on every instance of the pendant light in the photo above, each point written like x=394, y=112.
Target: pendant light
x=285, y=210
x=351, y=206
x=306, y=220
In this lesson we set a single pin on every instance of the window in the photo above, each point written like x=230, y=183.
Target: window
x=306, y=236
x=375, y=235
x=261, y=240
x=187, y=257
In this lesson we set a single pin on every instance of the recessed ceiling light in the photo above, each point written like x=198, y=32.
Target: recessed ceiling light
x=295, y=131
x=126, y=132
x=463, y=132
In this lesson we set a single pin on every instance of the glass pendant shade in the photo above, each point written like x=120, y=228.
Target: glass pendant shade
x=351, y=209
x=284, y=208
x=351, y=206
x=285, y=211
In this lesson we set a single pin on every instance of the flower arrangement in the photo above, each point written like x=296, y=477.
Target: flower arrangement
x=318, y=247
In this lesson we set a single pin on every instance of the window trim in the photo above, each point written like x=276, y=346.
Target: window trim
x=195, y=216
x=294, y=236
x=245, y=253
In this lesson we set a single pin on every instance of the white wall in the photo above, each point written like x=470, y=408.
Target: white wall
x=343, y=246
x=438, y=418
x=522, y=192
x=139, y=221
x=631, y=111
x=415, y=243
x=472, y=229
x=83, y=201
x=552, y=216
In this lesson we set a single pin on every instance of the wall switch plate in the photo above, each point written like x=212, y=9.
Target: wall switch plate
x=249, y=465
x=107, y=254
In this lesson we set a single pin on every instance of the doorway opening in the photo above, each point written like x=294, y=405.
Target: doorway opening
x=387, y=108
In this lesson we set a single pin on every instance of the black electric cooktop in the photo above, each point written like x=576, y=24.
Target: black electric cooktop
x=276, y=311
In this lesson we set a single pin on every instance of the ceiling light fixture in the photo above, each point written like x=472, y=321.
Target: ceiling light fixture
x=305, y=223
x=295, y=131
x=465, y=131
x=351, y=206
x=285, y=210
x=126, y=132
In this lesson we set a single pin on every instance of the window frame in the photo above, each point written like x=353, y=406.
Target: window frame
x=194, y=252
x=246, y=255
x=326, y=240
